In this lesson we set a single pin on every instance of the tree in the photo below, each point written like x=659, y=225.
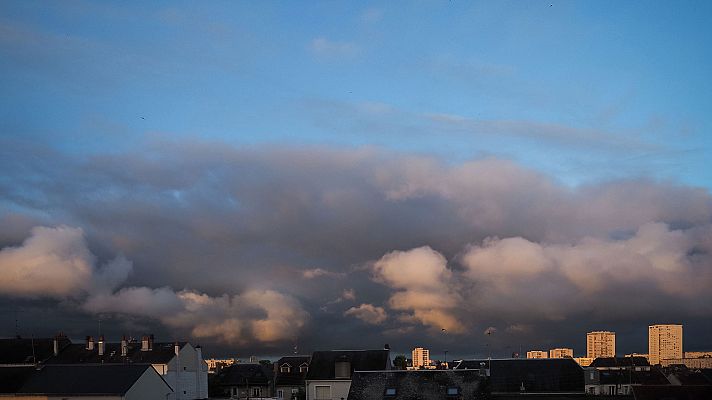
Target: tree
x=400, y=362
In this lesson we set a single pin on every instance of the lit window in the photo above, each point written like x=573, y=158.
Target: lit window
x=390, y=391
x=453, y=391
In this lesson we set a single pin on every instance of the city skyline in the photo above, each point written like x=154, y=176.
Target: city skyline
x=271, y=178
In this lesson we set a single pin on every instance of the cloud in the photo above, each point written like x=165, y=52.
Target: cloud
x=319, y=272
x=462, y=245
x=56, y=263
x=324, y=47
x=368, y=313
x=348, y=294
x=425, y=291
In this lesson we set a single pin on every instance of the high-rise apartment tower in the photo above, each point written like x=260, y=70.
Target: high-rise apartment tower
x=600, y=344
x=664, y=342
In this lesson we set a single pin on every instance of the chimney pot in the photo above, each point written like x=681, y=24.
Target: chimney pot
x=90, y=343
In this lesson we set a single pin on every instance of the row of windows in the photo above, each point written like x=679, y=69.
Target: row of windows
x=286, y=368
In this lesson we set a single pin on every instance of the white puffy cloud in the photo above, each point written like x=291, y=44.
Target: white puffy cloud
x=425, y=292
x=368, y=313
x=55, y=262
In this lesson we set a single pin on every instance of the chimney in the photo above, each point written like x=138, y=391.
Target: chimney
x=55, y=345
x=101, y=345
x=386, y=347
x=145, y=343
x=150, y=341
x=90, y=343
x=176, y=348
x=124, y=346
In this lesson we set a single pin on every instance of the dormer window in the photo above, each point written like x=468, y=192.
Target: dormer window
x=303, y=368
x=284, y=369
x=342, y=368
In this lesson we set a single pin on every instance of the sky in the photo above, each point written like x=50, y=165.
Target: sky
x=260, y=177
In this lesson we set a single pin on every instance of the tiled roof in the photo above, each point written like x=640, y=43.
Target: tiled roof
x=616, y=377
x=12, y=378
x=415, y=385
x=535, y=375
x=244, y=374
x=293, y=377
x=323, y=362
x=161, y=353
x=611, y=362
x=28, y=351
x=84, y=379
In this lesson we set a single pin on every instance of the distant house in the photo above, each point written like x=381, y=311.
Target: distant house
x=616, y=382
x=289, y=377
x=521, y=375
x=245, y=381
x=70, y=382
x=417, y=385
x=180, y=364
x=637, y=363
x=330, y=372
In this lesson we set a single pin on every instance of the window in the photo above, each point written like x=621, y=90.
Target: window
x=390, y=392
x=256, y=392
x=295, y=391
x=322, y=392
x=280, y=394
x=303, y=368
x=284, y=368
x=453, y=391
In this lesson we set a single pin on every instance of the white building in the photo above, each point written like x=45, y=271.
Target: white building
x=329, y=375
x=180, y=364
x=600, y=344
x=561, y=353
x=421, y=358
x=664, y=342
x=537, y=354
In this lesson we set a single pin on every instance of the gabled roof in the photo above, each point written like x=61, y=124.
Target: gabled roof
x=84, y=379
x=620, y=362
x=536, y=375
x=12, y=378
x=323, y=362
x=415, y=385
x=621, y=377
x=28, y=351
x=244, y=374
x=161, y=353
x=294, y=377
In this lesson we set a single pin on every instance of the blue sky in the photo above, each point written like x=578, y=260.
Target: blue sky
x=581, y=90
x=268, y=169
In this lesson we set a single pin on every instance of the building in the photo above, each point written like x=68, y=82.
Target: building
x=289, y=377
x=600, y=344
x=561, y=353
x=620, y=381
x=245, y=381
x=518, y=375
x=330, y=372
x=583, y=361
x=81, y=382
x=537, y=354
x=692, y=363
x=664, y=342
x=421, y=358
x=621, y=363
x=180, y=364
x=417, y=385
x=216, y=364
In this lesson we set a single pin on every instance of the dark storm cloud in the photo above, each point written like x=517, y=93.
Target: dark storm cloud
x=222, y=238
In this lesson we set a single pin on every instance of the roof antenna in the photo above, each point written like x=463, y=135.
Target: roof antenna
x=34, y=356
x=17, y=323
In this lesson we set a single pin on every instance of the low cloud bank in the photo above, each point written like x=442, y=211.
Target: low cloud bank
x=56, y=263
